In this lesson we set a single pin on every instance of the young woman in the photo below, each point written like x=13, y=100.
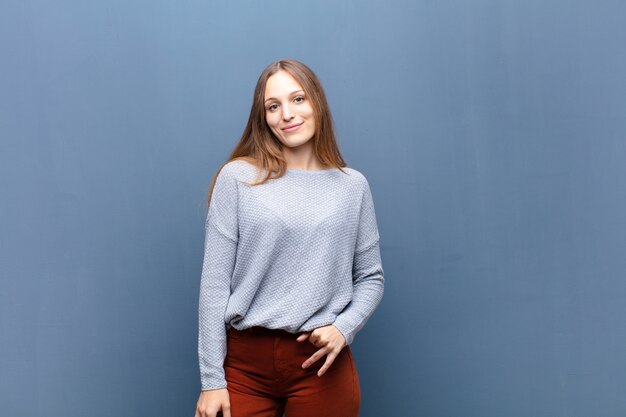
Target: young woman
x=292, y=267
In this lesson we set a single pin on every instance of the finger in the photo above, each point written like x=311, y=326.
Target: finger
x=314, y=336
x=314, y=357
x=330, y=358
x=303, y=337
x=226, y=411
x=315, y=340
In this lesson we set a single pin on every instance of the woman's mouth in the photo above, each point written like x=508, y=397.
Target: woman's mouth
x=292, y=128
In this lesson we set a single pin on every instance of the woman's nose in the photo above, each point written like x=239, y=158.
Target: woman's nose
x=287, y=113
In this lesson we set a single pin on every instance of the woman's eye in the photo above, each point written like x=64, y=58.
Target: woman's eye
x=299, y=99
x=272, y=107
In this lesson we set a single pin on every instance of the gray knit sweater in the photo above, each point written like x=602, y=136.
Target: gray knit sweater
x=296, y=253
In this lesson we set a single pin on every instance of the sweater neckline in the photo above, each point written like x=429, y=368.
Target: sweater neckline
x=310, y=171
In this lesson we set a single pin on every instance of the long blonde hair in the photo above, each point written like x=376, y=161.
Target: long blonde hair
x=260, y=147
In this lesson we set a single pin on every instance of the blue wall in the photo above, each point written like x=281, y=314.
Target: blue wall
x=493, y=134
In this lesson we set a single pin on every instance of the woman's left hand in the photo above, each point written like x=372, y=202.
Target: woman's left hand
x=329, y=339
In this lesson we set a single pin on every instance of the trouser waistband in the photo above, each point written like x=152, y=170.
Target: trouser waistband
x=258, y=330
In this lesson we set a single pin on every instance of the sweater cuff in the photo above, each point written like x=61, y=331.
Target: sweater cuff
x=213, y=384
x=344, y=329
x=212, y=389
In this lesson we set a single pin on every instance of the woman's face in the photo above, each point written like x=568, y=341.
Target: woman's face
x=288, y=111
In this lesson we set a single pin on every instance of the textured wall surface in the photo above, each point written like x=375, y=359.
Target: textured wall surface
x=493, y=137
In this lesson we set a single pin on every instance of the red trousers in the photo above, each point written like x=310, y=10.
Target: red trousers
x=265, y=377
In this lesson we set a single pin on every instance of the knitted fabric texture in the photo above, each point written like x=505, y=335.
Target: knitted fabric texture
x=296, y=253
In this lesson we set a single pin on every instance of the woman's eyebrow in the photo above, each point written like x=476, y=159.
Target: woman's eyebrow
x=292, y=93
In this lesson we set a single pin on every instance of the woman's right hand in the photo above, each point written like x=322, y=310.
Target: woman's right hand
x=210, y=402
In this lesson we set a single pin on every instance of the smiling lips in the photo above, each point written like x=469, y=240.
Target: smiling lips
x=291, y=128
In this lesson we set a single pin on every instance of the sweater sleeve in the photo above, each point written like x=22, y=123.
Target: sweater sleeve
x=220, y=247
x=367, y=272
